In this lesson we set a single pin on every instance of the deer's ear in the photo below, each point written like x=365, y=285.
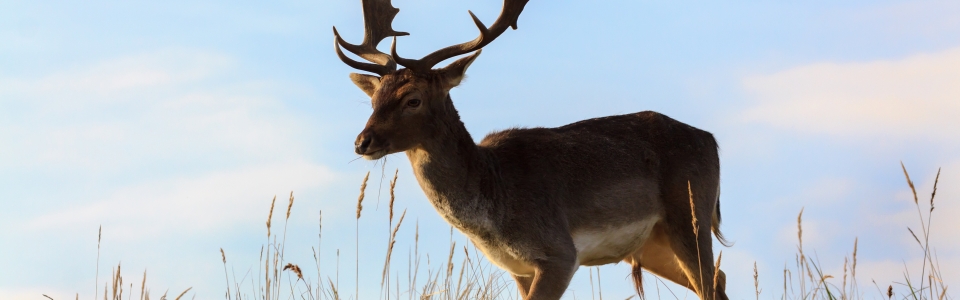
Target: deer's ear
x=367, y=83
x=455, y=72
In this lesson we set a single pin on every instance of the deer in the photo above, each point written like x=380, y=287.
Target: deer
x=541, y=202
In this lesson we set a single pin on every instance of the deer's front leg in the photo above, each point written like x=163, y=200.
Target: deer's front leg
x=553, y=275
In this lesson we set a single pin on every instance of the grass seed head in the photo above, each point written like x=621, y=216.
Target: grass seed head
x=934, y=193
x=363, y=188
x=270, y=215
x=183, y=293
x=393, y=185
x=853, y=267
x=756, y=280
x=693, y=211
x=143, y=284
x=716, y=273
x=910, y=183
x=844, y=274
x=295, y=269
x=289, y=206
x=800, y=228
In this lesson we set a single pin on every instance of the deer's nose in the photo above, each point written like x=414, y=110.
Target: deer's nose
x=362, y=143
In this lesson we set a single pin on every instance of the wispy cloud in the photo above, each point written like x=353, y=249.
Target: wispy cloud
x=907, y=101
x=171, y=105
x=911, y=97
x=224, y=143
x=911, y=18
x=106, y=80
x=201, y=204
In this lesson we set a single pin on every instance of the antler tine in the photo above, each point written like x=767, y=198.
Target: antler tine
x=372, y=68
x=377, y=19
x=508, y=18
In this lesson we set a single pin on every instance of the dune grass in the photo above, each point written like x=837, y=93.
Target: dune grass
x=472, y=278
x=805, y=279
x=475, y=278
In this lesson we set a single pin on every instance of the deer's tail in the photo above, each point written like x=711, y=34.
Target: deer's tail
x=715, y=223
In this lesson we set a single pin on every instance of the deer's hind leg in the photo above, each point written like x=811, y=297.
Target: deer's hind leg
x=657, y=257
x=694, y=252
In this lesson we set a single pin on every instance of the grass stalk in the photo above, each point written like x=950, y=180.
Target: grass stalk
x=223, y=255
x=696, y=235
x=96, y=278
x=363, y=188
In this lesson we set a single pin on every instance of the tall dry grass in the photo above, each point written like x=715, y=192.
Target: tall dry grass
x=471, y=278
x=474, y=278
x=113, y=288
x=806, y=278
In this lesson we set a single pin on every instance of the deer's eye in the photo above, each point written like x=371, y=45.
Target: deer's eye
x=413, y=103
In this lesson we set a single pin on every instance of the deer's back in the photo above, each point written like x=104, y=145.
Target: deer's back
x=584, y=169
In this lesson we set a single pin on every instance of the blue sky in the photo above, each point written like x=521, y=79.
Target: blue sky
x=173, y=125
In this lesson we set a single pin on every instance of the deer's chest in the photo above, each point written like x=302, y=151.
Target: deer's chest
x=479, y=226
x=505, y=257
x=470, y=217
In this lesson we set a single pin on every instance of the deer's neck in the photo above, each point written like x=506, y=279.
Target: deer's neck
x=457, y=177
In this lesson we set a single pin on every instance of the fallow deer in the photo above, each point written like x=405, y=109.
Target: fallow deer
x=540, y=202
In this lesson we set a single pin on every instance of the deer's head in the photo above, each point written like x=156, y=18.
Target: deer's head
x=410, y=105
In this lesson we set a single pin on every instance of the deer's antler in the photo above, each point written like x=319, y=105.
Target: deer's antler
x=377, y=18
x=508, y=18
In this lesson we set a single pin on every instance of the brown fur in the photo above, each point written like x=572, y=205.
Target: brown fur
x=522, y=193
